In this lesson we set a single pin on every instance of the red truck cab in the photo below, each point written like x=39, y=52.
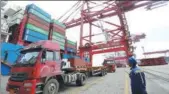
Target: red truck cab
x=37, y=63
x=110, y=64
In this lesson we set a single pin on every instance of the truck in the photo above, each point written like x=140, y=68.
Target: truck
x=42, y=68
x=111, y=65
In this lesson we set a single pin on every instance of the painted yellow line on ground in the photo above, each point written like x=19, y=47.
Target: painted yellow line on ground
x=126, y=84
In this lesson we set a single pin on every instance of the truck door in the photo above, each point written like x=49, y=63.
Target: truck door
x=50, y=63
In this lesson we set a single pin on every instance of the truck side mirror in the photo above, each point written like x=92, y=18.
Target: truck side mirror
x=63, y=64
x=6, y=56
x=43, y=57
x=44, y=54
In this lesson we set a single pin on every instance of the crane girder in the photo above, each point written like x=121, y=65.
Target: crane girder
x=116, y=58
x=105, y=13
x=156, y=52
x=109, y=50
x=107, y=45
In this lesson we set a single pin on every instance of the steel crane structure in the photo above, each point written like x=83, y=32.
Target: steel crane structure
x=137, y=37
x=156, y=52
x=117, y=36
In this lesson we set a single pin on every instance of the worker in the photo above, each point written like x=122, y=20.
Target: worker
x=137, y=76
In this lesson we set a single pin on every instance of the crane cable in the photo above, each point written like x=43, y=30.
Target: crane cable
x=101, y=26
x=76, y=10
x=69, y=10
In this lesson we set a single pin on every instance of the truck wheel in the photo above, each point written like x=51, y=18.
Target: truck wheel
x=105, y=72
x=51, y=87
x=81, y=80
x=102, y=73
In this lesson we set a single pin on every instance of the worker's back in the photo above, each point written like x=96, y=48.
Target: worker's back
x=138, y=83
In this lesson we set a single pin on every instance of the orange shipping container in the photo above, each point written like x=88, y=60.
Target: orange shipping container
x=77, y=62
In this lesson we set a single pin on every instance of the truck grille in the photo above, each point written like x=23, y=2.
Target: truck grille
x=18, y=77
x=13, y=87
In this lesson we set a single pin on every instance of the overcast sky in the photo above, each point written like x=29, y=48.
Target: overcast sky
x=153, y=23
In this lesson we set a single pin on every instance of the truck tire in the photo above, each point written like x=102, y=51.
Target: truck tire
x=88, y=75
x=51, y=87
x=81, y=80
x=102, y=73
x=106, y=72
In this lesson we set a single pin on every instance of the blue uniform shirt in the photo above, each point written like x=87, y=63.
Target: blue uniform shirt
x=138, y=82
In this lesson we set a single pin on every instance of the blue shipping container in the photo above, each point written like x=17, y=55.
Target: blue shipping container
x=34, y=12
x=70, y=49
x=33, y=6
x=67, y=56
x=5, y=70
x=36, y=34
x=30, y=38
x=13, y=51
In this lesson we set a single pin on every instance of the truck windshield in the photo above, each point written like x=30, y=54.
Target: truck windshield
x=28, y=56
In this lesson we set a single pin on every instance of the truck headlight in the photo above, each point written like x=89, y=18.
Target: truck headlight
x=27, y=84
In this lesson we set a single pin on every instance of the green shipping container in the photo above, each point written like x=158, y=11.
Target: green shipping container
x=62, y=47
x=60, y=43
x=58, y=39
x=71, y=42
x=58, y=35
x=58, y=23
x=34, y=28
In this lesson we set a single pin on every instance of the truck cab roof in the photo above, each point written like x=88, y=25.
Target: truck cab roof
x=48, y=44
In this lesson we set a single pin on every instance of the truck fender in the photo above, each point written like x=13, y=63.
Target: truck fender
x=58, y=77
x=48, y=78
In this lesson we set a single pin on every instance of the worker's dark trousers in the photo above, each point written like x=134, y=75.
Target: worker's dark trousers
x=138, y=92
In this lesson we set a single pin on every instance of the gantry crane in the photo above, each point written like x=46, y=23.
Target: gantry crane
x=135, y=38
x=157, y=52
x=92, y=12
